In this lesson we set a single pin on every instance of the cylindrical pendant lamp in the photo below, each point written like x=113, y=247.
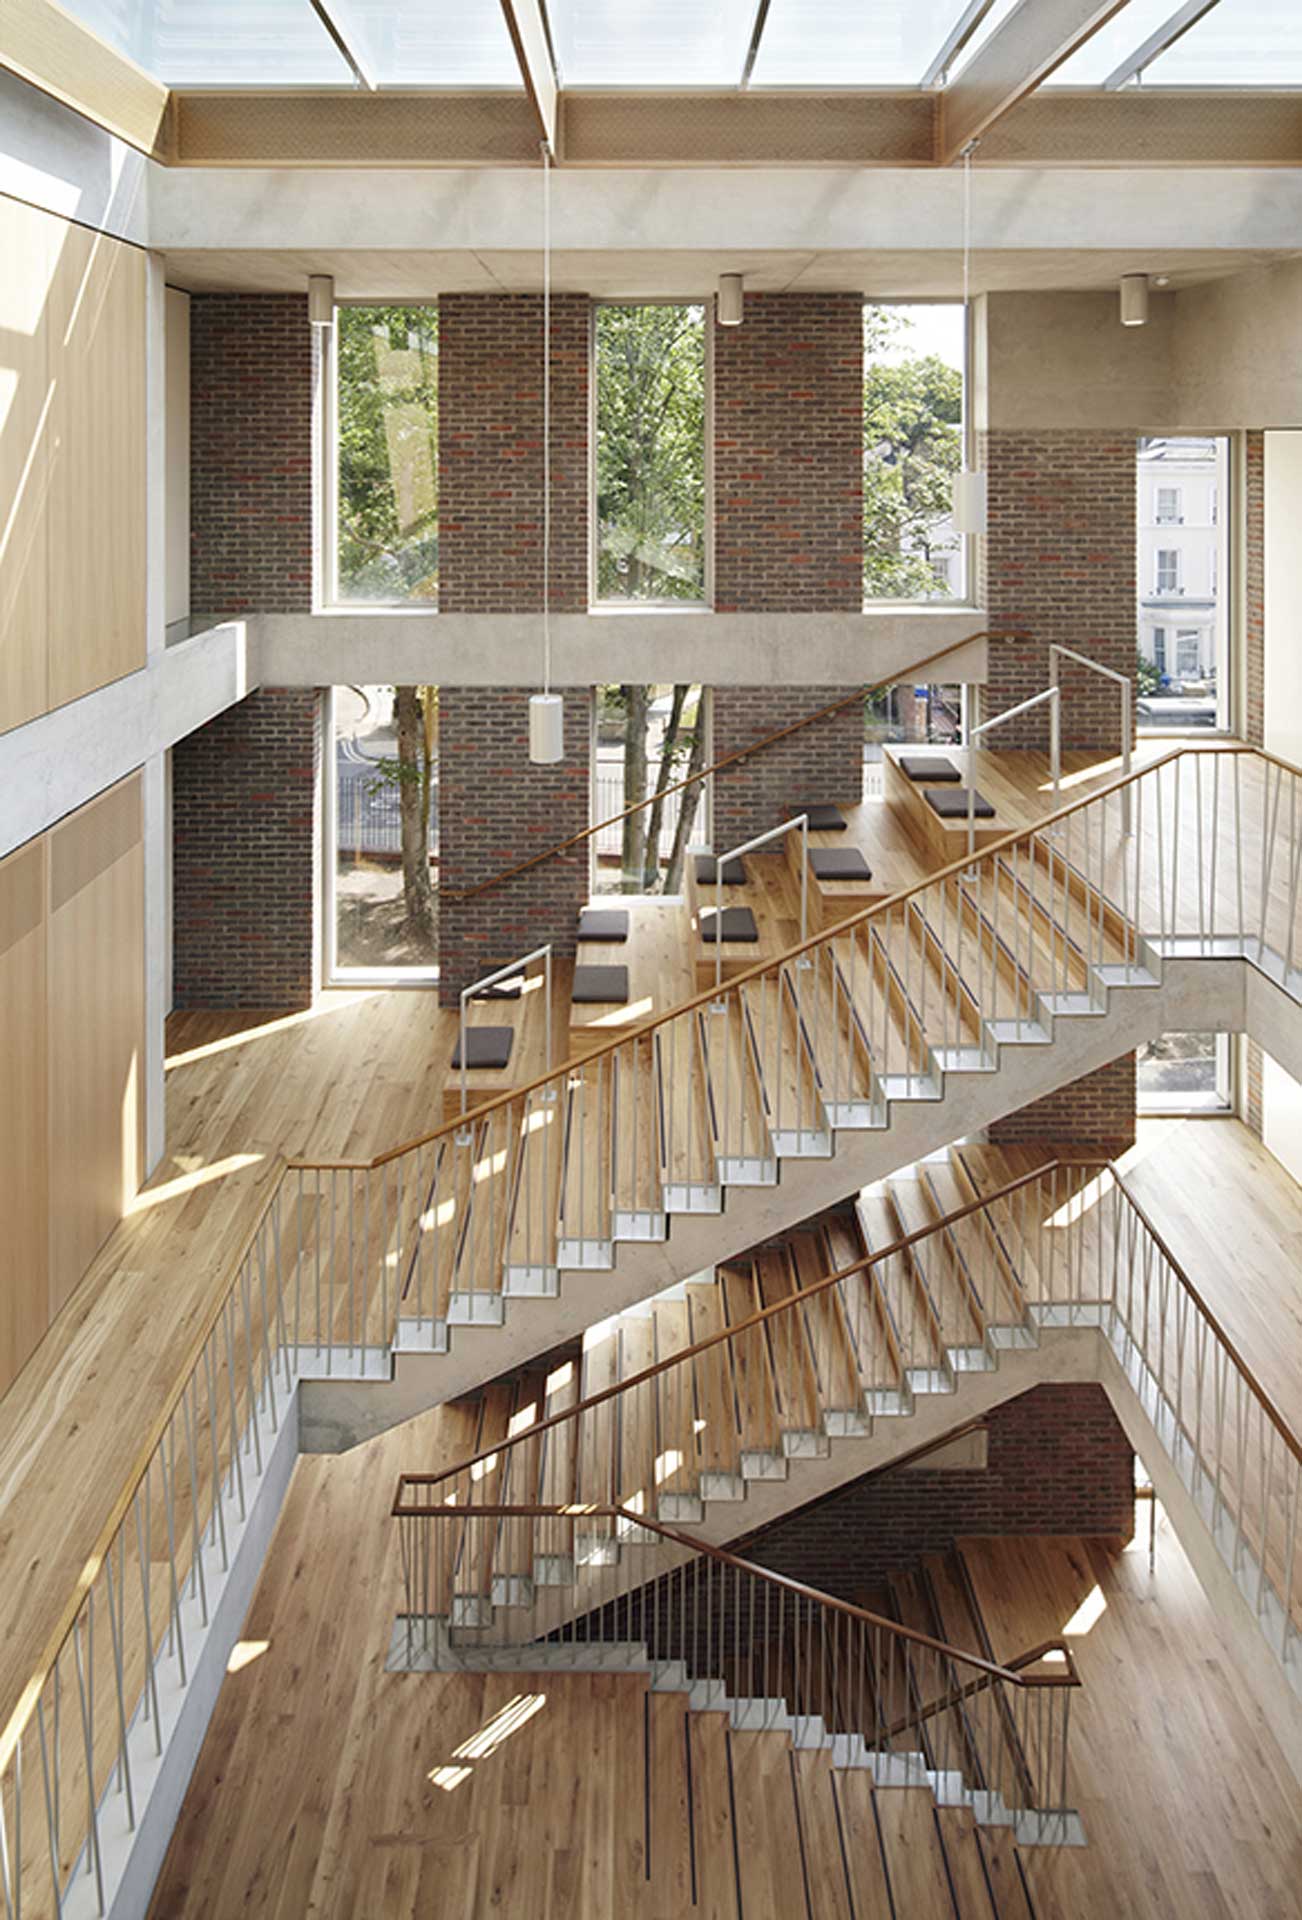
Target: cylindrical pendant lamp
x=546, y=729
x=321, y=299
x=970, y=509
x=728, y=306
x=1134, y=299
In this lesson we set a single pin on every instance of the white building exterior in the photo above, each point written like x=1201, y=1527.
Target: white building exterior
x=1183, y=604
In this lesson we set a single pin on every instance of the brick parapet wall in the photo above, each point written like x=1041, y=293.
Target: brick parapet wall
x=823, y=762
x=1254, y=588
x=1059, y=561
x=1096, y=1111
x=788, y=455
x=491, y=452
x=1057, y=1462
x=245, y=854
x=495, y=809
x=250, y=453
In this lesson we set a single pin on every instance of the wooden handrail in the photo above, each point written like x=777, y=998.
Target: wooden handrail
x=957, y=1695
x=1268, y=1406
x=578, y=1062
x=908, y=671
x=152, y=1440
x=583, y=1511
x=757, y=1319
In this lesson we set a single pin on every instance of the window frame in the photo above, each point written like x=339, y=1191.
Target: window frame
x=332, y=973
x=1176, y=517
x=613, y=606
x=1221, y=1104
x=1161, y=592
x=326, y=488
x=966, y=547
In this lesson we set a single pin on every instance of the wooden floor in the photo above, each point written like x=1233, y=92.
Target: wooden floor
x=358, y=1073
x=327, y=1786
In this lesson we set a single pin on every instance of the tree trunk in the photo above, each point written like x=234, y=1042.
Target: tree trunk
x=634, y=846
x=414, y=768
x=691, y=800
x=664, y=774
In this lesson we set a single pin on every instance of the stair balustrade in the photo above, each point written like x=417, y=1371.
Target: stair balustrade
x=771, y=1652
x=348, y=1261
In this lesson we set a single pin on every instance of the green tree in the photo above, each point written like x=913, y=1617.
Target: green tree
x=415, y=720
x=387, y=395
x=913, y=433
x=650, y=452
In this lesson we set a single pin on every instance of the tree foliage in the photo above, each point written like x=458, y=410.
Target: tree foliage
x=388, y=453
x=650, y=452
x=913, y=430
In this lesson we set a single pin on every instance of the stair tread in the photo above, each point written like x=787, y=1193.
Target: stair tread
x=756, y=1397
x=712, y=1825
x=936, y=1258
x=913, y=1321
x=831, y=1350
x=670, y=1857
x=800, y=1409
x=948, y=1187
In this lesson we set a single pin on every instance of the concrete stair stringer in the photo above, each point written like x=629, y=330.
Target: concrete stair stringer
x=1193, y=994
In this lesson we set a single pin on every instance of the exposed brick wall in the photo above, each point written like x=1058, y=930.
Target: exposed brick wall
x=245, y=854
x=491, y=452
x=1060, y=562
x=1095, y=1111
x=250, y=453
x=788, y=455
x=1254, y=586
x=1057, y=1462
x=823, y=761
x=495, y=809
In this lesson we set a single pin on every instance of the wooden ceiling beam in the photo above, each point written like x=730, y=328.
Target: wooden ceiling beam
x=49, y=49
x=527, y=27
x=1020, y=54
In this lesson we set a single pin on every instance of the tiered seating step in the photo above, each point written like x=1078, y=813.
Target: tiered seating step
x=606, y=924
x=597, y=986
x=933, y=769
x=734, y=871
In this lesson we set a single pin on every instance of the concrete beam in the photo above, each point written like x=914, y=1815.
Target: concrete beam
x=724, y=649
x=59, y=761
x=1034, y=39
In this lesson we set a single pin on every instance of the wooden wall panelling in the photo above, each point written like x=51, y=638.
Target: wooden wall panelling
x=96, y=1027
x=24, y=1251
x=97, y=471
x=27, y=239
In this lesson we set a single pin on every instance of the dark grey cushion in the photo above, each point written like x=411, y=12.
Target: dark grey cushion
x=839, y=863
x=604, y=923
x=734, y=871
x=918, y=766
x=485, y=1047
x=822, y=818
x=738, y=924
x=595, y=984
x=952, y=804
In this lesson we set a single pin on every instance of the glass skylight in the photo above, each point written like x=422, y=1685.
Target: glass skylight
x=651, y=43
x=430, y=43
x=1240, y=43
x=283, y=43
x=220, y=43
x=851, y=43
x=1113, y=44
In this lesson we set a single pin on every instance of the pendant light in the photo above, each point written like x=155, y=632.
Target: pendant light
x=729, y=300
x=970, y=506
x=546, y=709
x=1134, y=299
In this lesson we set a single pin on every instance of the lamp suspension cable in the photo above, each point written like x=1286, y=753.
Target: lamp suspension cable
x=546, y=715
x=547, y=418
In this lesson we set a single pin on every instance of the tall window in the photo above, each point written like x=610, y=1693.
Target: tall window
x=649, y=739
x=382, y=781
x=386, y=435
x=650, y=523
x=913, y=446
x=1182, y=671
